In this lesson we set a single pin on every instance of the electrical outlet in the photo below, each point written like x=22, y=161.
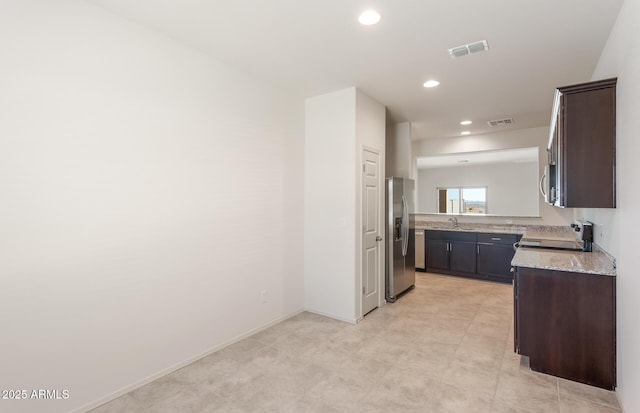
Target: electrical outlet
x=264, y=296
x=601, y=232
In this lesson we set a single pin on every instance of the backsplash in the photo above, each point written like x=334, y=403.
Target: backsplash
x=605, y=227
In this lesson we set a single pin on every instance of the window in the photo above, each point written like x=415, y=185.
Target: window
x=462, y=200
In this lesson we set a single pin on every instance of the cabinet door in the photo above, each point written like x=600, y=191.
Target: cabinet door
x=462, y=257
x=587, y=150
x=495, y=260
x=437, y=254
x=566, y=324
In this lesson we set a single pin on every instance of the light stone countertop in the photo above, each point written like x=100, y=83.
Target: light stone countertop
x=545, y=230
x=596, y=262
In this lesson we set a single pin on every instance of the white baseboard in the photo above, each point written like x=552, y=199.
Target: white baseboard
x=177, y=366
x=346, y=320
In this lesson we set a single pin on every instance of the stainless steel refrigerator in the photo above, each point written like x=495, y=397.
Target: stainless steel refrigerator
x=400, y=237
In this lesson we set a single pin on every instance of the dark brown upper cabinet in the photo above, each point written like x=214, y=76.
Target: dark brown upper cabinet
x=582, y=146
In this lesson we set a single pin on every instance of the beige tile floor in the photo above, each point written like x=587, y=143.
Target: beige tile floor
x=446, y=346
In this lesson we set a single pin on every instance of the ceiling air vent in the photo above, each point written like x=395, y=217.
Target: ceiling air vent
x=470, y=48
x=501, y=122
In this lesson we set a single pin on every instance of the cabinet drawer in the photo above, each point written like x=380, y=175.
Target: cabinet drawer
x=498, y=238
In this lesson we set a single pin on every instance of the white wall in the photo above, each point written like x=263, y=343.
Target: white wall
x=337, y=126
x=512, y=188
x=522, y=138
x=615, y=229
x=148, y=194
x=398, y=143
x=330, y=204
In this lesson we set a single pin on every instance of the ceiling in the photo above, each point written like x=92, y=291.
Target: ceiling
x=520, y=155
x=315, y=47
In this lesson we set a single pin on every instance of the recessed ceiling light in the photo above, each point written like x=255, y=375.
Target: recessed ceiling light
x=431, y=83
x=466, y=122
x=369, y=17
x=465, y=132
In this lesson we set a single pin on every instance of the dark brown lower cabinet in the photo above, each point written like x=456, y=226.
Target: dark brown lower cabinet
x=437, y=255
x=485, y=256
x=462, y=257
x=494, y=261
x=451, y=252
x=495, y=252
x=565, y=322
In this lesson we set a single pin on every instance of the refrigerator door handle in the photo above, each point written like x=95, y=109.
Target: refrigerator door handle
x=405, y=227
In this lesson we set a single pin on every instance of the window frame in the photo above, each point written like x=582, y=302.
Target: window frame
x=461, y=199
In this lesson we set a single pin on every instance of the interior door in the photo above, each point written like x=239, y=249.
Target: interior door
x=372, y=231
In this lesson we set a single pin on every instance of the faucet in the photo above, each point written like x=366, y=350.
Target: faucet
x=454, y=220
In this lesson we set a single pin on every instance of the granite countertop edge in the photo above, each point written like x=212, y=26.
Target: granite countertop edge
x=598, y=262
